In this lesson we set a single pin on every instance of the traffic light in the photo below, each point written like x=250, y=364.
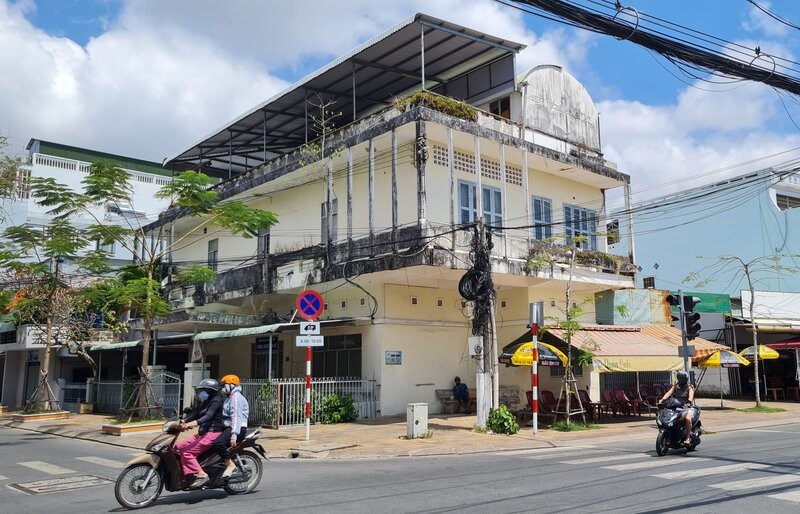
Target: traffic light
x=691, y=318
x=675, y=301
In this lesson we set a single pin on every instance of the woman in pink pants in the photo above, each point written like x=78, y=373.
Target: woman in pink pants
x=207, y=417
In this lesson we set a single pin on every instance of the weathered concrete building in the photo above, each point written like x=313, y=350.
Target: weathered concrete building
x=378, y=212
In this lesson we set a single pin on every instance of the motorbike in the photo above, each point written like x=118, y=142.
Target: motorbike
x=145, y=477
x=672, y=428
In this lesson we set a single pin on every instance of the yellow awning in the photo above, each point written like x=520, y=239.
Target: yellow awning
x=637, y=363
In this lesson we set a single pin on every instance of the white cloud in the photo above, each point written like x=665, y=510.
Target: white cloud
x=166, y=74
x=759, y=21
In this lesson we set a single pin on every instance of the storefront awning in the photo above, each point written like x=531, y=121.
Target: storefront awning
x=786, y=344
x=265, y=329
x=115, y=346
x=628, y=348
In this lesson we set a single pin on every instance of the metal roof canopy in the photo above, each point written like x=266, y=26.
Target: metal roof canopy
x=421, y=49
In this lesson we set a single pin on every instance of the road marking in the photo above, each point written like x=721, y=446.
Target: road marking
x=654, y=462
x=718, y=470
x=50, y=469
x=792, y=496
x=771, y=431
x=607, y=458
x=753, y=483
x=103, y=462
x=3, y=477
x=61, y=484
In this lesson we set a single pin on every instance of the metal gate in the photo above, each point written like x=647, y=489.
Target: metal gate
x=281, y=402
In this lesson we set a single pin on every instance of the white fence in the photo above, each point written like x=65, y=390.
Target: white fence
x=111, y=396
x=281, y=402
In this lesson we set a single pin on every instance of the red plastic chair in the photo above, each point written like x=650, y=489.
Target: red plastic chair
x=607, y=402
x=591, y=407
x=547, y=400
x=624, y=404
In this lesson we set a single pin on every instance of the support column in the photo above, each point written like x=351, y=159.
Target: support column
x=422, y=160
x=394, y=182
x=349, y=196
x=371, y=189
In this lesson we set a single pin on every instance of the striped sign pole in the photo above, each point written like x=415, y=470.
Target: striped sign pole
x=308, y=393
x=535, y=377
x=536, y=319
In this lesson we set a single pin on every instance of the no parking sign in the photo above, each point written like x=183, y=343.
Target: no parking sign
x=309, y=304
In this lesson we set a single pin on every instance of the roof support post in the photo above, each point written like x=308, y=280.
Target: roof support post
x=265, y=137
x=527, y=188
x=349, y=196
x=478, y=181
x=230, y=153
x=422, y=52
x=503, y=200
x=354, y=91
x=422, y=159
x=394, y=181
x=451, y=176
x=371, y=189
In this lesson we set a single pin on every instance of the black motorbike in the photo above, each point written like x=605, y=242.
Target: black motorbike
x=145, y=477
x=672, y=428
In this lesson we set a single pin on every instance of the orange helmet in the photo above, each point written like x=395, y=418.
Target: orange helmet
x=230, y=379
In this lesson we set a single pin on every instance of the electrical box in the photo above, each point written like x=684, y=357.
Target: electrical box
x=417, y=420
x=475, y=344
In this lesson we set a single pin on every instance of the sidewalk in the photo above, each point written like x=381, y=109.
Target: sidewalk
x=451, y=434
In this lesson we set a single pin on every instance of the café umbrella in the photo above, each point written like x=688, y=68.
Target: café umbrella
x=764, y=352
x=721, y=359
x=521, y=354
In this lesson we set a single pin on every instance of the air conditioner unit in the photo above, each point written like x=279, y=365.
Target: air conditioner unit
x=475, y=344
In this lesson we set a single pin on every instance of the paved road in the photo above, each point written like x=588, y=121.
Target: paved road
x=730, y=472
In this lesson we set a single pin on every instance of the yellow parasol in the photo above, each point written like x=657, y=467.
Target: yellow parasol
x=764, y=352
x=521, y=355
x=723, y=359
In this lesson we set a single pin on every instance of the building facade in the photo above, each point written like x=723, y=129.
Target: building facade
x=379, y=215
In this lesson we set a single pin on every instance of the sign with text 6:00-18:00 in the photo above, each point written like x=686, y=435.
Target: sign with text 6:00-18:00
x=309, y=341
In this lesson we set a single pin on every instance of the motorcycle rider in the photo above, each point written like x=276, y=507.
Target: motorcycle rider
x=207, y=416
x=235, y=411
x=683, y=391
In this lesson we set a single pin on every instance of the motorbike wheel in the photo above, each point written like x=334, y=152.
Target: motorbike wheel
x=662, y=444
x=244, y=481
x=130, y=490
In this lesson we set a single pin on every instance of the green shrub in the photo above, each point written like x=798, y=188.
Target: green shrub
x=338, y=409
x=502, y=421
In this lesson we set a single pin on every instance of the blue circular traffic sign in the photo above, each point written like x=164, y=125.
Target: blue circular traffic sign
x=309, y=304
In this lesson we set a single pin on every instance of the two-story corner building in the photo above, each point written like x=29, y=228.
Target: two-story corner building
x=20, y=353
x=382, y=224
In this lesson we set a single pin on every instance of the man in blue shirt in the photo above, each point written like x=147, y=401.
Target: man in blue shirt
x=461, y=393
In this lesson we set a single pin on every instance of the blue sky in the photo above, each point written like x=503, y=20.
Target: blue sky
x=147, y=78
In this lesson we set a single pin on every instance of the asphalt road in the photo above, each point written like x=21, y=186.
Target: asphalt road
x=730, y=472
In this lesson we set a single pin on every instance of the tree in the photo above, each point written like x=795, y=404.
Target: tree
x=737, y=270
x=139, y=287
x=31, y=265
x=9, y=173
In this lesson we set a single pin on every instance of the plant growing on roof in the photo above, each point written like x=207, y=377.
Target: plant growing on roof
x=439, y=103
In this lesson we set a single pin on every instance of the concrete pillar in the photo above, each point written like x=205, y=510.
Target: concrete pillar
x=194, y=373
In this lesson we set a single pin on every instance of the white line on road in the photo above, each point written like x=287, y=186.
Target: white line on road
x=607, y=458
x=718, y=470
x=792, y=496
x=753, y=483
x=2, y=477
x=50, y=469
x=654, y=462
x=103, y=462
x=771, y=431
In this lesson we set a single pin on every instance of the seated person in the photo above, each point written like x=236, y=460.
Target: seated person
x=461, y=393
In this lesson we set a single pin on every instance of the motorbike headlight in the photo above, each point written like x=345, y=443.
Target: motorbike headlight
x=157, y=448
x=669, y=424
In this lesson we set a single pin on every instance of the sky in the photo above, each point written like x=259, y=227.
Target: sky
x=149, y=78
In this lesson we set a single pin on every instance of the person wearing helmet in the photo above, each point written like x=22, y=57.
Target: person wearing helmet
x=207, y=417
x=683, y=391
x=235, y=411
